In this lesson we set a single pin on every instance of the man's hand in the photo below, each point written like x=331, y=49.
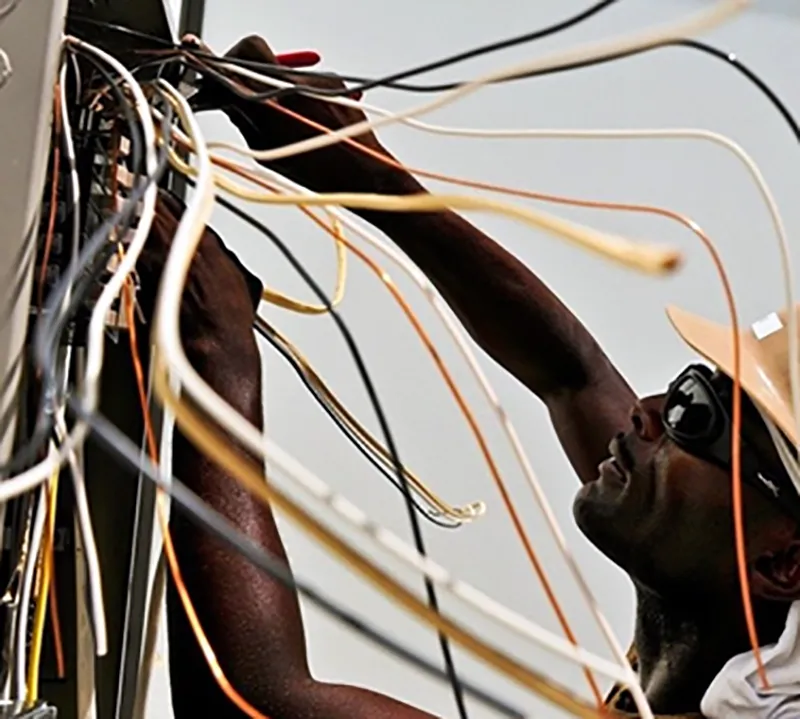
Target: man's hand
x=339, y=168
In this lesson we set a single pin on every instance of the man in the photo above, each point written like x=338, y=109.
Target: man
x=660, y=506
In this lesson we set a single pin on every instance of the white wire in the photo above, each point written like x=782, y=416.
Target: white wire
x=317, y=490
x=168, y=341
x=644, y=134
x=95, y=344
x=37, y=532
x=689, y=26
x=33, y=477
x=98, y=613
x=75, y=185
x=457, y=333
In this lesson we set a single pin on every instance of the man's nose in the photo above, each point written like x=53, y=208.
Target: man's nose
x=646, y=419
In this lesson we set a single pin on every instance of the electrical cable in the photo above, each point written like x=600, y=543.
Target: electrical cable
x=195, y=509
x=734, y=473
x=265, y=330
x=164, y=328
x=40, y=612
x=90, y=552
x=499, y=483
x=695, y=24
x=392, y=80
x=58, y=308
x=247, y=474
x=468, y=594
x=688, y=223
x=457, y=516
x=288, y=303
x=48, y=329
x=21, y=653
x=695, y=134
x=786, y=264
x=783, y=244
x=788, y=283
x=460, y=514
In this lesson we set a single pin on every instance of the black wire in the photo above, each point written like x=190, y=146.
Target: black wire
x=705, y=48
x=284, y=351
x=732, y=60
x=208, y=519
x=392, y=80
x=389, y=81
x=416, y=529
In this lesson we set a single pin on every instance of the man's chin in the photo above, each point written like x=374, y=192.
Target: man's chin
x=597, y=512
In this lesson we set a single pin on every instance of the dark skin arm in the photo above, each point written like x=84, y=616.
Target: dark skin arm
x=253, y=623
x=505, y=307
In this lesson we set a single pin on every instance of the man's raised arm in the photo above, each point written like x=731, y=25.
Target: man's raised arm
x=504, y=306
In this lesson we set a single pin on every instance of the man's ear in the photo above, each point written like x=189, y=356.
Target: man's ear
x=776, y=575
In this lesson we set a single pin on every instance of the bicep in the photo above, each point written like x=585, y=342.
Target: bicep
x=587, y=419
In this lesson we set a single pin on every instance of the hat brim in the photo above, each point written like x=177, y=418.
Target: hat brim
x=715, y=343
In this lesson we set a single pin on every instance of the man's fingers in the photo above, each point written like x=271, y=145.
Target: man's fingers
x=253, y=48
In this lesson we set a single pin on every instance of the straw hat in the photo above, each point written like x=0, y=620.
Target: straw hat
x=765, y=358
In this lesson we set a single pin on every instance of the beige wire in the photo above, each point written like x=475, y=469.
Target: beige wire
x=207, y=437
x=288, y=303
x=648, y=258
x=689, y=26
x=200, y=431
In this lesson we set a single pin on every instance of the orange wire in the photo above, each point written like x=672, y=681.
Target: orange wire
x=194, y=621
x=55, y=620
x=467, y=413
x=691, y=225
x=741, y=560
x=51, y=222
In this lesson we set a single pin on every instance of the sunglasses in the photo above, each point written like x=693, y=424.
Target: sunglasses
x=696, y=418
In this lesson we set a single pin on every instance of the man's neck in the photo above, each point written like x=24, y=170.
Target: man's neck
x=681, y=646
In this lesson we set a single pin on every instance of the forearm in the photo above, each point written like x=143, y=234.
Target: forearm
x=505, y=307
x=253, y=623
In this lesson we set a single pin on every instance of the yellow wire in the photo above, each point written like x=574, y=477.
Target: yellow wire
x=288, y=303
x=40, y=612
x=458, y=514
x=648, y=258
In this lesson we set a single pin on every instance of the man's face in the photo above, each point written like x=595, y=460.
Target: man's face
x=666, y=515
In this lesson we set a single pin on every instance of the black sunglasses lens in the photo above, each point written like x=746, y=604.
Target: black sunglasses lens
x=689, y=409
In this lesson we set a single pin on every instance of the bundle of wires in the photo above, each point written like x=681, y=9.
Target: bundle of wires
x=151, y=151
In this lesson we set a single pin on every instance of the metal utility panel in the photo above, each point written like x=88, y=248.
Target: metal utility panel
x=30, y=39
